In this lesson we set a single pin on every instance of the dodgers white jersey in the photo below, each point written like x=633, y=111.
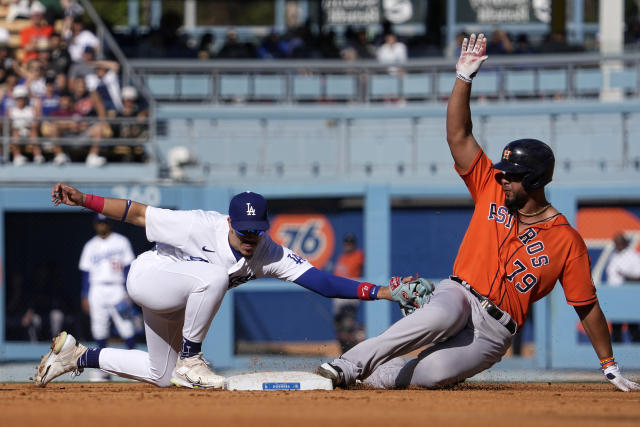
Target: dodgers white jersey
x=105, y=259
x=203, y=236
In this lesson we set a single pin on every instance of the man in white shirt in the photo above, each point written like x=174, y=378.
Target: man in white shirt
x=392, y=51
x=104, y=263
x=624, y=266
x=23, y=125
x=179, y=285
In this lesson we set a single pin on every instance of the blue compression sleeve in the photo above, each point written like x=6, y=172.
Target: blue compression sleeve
x=328, y=285
x=85, y=284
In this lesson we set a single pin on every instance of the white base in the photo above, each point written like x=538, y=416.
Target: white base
x=286, y=380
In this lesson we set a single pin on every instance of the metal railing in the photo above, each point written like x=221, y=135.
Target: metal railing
x=80, y=137
x=570, y=76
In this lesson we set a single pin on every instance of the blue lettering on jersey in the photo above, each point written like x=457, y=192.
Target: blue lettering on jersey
x=296, y=258
x=106, y=255
x=197, y=258
x=500, y=214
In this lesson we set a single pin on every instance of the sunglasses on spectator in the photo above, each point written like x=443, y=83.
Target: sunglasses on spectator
x=249, y=233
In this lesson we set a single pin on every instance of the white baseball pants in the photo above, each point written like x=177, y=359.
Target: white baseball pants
x=102, y=301
x=177, y=299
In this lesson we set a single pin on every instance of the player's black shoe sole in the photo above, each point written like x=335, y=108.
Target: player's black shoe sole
x=333, y=373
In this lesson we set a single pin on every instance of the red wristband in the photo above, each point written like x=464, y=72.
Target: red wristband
x=95, y=203
x=364, y=289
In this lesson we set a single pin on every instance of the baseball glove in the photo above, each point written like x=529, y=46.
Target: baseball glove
x=410, y=295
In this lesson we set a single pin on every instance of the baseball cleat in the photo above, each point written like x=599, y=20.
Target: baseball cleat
x=63, y=358
x=194, y=372
x=333, y=373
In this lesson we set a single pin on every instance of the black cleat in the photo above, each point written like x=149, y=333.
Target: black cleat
x=333, y=373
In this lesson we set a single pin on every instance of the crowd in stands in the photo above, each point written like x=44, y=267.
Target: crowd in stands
x=306, y=42
x=57, y=100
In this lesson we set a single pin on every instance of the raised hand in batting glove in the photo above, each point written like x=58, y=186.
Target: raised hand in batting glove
x=410, y=293
x=471, y=58
x=613, y=375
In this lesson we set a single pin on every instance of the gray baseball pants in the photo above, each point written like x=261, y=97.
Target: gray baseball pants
x=462, y=339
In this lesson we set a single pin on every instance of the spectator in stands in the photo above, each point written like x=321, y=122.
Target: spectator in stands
x=65, y=126
x=350, y=264
x=272, y=47
x=499, y=43
x=234, y=49
x=91, y=112
x=360, y=43
x=23, y=126
x=6, y=63
x=328, y=46
x=50, y=100
x=5, y=37
x=59, y=56
x=104, y=81
x=78, y=39
x=623, y=267
x=85, y=66
x=136, y=126
x=523, y=46
x=392, y=51
x=205, y=47
x=556, y=42
x=32, y=76
x=39, y=29
x=44, y=54
x=7, y=100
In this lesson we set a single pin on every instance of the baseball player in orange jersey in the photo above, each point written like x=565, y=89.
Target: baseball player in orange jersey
x=516, y=248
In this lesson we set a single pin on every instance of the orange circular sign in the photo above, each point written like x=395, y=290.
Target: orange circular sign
x=309, y=235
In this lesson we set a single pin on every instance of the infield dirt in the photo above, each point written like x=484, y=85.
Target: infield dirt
x=470, y=404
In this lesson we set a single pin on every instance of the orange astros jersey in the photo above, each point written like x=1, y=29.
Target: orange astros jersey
x=516, y=270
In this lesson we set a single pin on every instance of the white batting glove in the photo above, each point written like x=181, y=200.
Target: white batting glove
x=613, y=375
x=471, y=58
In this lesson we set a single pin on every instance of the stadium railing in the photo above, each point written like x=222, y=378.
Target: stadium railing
x=515, y=77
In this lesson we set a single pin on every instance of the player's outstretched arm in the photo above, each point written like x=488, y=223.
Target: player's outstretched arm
x=595, y=325
x=119, y=209
x=462, y=143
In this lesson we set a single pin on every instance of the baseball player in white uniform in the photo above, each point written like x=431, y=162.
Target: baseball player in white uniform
x=104, y=263
x=179, y=285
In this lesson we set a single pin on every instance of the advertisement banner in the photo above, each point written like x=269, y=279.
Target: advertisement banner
x=503, y=11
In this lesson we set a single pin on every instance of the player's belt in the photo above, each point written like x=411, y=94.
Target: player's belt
x=488, y=305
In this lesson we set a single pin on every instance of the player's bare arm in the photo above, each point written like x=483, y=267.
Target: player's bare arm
x=595, y=325
x=462, y=143
x=112, y=208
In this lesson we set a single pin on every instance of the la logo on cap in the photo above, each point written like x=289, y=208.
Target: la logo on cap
x=250, y=210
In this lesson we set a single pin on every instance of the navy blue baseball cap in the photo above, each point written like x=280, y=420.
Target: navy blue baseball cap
x=100, y=218
x=248, y=211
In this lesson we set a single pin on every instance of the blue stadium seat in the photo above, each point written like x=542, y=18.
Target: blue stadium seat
x=553, y=81
x=269, y=87
x=417, y=85
x=196, y=86
x=588, y=82
x=589, y=141
x=161, y=86
x=234, y=86
x=307, y=87
x=626, y=79
x=520, y=82
x=342, y=87
x=384, y=86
